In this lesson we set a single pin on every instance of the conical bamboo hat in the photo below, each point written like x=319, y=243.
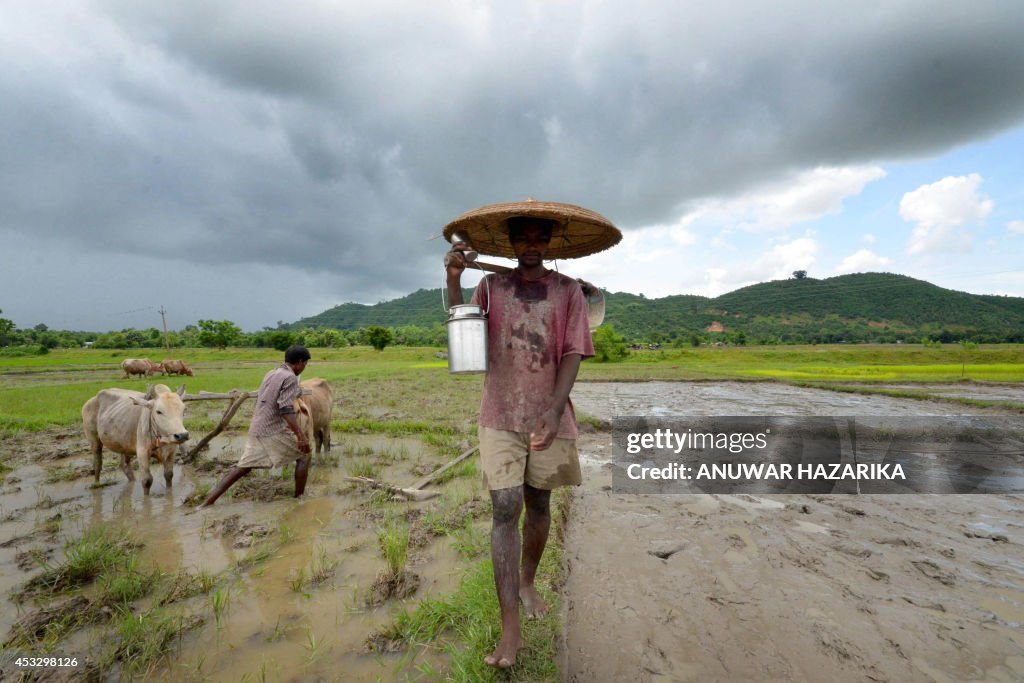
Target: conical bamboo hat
x=580, y=231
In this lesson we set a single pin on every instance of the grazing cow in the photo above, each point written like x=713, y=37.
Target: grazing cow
x=176, y=367
x=320, y=403
x=132, y=423
x=137, y=366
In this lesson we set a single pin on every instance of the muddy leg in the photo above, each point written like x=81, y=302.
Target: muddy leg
x=225, y=483
x=301, y=472
x=507, y=504
x=144, y=474
x=169, y=468
x=97, y=459
x=126, y=467
x=327, y=439
x=536, y=525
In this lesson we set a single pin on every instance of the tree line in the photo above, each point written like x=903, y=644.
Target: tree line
x=214, y=334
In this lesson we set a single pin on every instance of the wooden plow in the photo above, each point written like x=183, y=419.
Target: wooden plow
x=415, y=491
x=235, y=399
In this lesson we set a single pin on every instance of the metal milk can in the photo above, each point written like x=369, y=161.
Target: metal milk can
x=467, y=339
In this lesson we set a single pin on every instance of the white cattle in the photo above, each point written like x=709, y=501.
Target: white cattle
x=132, y=423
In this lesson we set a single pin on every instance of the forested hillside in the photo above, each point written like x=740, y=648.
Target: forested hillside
x=863, y=307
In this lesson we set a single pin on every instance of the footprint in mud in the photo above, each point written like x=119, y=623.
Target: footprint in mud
x=32, y=558
x=933, y=571
x=741, y=546
x=897, y=541
x=666, y=549
x=852, y=550
x=736, y=542
x=877, y=575
x=834, y=645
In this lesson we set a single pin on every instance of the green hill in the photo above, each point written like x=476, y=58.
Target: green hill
x=422, y=308
x=863, y=307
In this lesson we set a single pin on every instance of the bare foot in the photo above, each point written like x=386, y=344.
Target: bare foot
x=533, y=604
x=504, y=656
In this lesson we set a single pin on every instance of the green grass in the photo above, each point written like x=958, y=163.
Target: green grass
x=99, y=551
x=466, y=625
x=129, y=582
x=393, y=538
x=361, y=467
x=383, y=393
x=863, y=362
x=466, y=468
x=142, y=640
x=40, y=392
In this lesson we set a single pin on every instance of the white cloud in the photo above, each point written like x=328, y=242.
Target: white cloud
x=680, y=235
x=776, y=264
x=1016, y=227
x=861, y=261
x=869, y=238
x=943, y=213
x=797, y=198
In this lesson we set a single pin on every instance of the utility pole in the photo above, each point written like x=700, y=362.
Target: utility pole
x=167, y=341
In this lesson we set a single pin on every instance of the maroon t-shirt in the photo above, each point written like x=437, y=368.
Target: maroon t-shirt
x=531, y=326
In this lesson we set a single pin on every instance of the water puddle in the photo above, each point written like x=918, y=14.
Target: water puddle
x=303, y=611
x=608, y=400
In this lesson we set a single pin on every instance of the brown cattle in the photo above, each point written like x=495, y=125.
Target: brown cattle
x=320, y=404
x=304, y=416
x=176, y=367
x=132, y=423
x=137, y=366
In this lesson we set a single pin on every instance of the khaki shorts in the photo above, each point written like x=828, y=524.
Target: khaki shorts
x=271, y=451
x=506, y=461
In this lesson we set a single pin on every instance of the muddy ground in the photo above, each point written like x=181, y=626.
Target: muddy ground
x=658, y=587
x=786, y=587
x=296, y=588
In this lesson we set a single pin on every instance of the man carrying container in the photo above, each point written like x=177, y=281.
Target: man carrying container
x=537, y=335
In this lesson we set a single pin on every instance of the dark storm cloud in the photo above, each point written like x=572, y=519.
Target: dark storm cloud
x=336, y=138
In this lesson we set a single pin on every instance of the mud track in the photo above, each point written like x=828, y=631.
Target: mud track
x=781, y=588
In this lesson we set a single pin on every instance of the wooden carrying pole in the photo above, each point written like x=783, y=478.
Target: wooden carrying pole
x=595, y=299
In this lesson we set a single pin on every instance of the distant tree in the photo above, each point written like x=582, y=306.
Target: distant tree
x=609, y=347
x=134, y=338
x=800, y=274
x=694, y=340
x=378, y=337
x=321, y=337
x=8, y=333
x=965, y=349
x=281, y=339
x=218, y=333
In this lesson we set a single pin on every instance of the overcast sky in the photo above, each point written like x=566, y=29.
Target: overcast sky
x=263, y=161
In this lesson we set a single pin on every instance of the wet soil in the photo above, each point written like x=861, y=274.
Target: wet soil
x=785, y=587
x=286, y=615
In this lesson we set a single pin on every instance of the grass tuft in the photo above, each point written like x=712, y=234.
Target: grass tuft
x=99, y=550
